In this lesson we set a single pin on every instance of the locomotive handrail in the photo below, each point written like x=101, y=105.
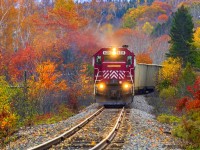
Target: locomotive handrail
x=97, y=74
x=131, y=74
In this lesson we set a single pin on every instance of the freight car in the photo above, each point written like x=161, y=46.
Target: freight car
x=117, y=77
x=145, y=77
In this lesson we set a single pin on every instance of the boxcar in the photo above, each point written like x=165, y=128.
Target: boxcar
x=145, y=77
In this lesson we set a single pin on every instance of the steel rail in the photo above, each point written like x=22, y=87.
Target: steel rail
x=109, y=138
x=66, y=134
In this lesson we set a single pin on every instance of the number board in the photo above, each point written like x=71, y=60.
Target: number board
x=117, y=52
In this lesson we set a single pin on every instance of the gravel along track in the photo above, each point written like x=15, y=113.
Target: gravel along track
x=92, y=133
x=144, y=132
x=120, y=138
x=39, y=134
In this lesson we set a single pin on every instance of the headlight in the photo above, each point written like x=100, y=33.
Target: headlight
x=101, y=86
x=114, y=51
x=126, y=86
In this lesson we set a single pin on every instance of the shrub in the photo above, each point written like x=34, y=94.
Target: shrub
x=193, y=102
x=168, y=93
x=163, y=85
x=169, y=119
x=8, y=118
x=169, y=73
x=189, y=128
x=62, y=113
x=187, y=78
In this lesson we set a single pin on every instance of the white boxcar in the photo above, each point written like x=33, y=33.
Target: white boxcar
x=145, y=77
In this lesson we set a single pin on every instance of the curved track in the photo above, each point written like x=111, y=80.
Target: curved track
x=66, y=134
x=119, y=140
x=93, y=133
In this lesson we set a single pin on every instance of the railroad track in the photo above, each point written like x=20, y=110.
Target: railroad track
x=93, y=133
x=120, y=137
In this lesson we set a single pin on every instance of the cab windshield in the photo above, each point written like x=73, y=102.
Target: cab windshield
x=110, y=58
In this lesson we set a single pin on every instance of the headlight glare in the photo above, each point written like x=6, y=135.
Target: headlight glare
x=101, y=86
x=126, y=86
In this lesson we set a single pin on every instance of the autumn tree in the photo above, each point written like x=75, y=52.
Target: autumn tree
x=170, y=72
x=8, y=14
x=57, y=26
x=22, y=60
x=187, y=78
x=46, y=84
x=181, y=34
x=142, y=14
x=197, y=46
x=159, y=47
x=137, y=41
x=190, y=107
x=163, y=18
x=144, y=58
x=8, y=118
x=147, y=28
x=197, y=38
x=81, y=85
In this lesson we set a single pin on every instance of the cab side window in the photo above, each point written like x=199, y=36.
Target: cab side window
x=129, y=60
x=98, y=60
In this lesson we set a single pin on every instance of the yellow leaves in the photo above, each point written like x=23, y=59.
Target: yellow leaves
x=93, y=143
x=171, y=70
x=147, y=28
x=68, y=5
x=48, y=78
x=197, y=37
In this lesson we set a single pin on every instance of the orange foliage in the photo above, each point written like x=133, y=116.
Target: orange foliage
x=48, y=77
x=191, y=103
x=163, y=18
x=194, y=104
x=124, y=32
x=144, y=58
x=7, y=120
x=57, y=29
x=162, y=5
x=144, y=14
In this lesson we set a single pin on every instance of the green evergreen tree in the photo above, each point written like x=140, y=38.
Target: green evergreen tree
x=181, y=34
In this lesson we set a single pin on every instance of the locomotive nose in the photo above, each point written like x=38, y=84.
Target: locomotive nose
x=115, y=94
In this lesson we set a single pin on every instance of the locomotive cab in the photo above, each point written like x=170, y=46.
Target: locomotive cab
x=114, y=76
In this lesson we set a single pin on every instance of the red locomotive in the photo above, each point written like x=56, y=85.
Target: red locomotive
x=114, y=75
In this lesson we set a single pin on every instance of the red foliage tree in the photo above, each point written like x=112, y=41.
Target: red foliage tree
x=22, y=60
x=163, y=18
x=193, y=102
